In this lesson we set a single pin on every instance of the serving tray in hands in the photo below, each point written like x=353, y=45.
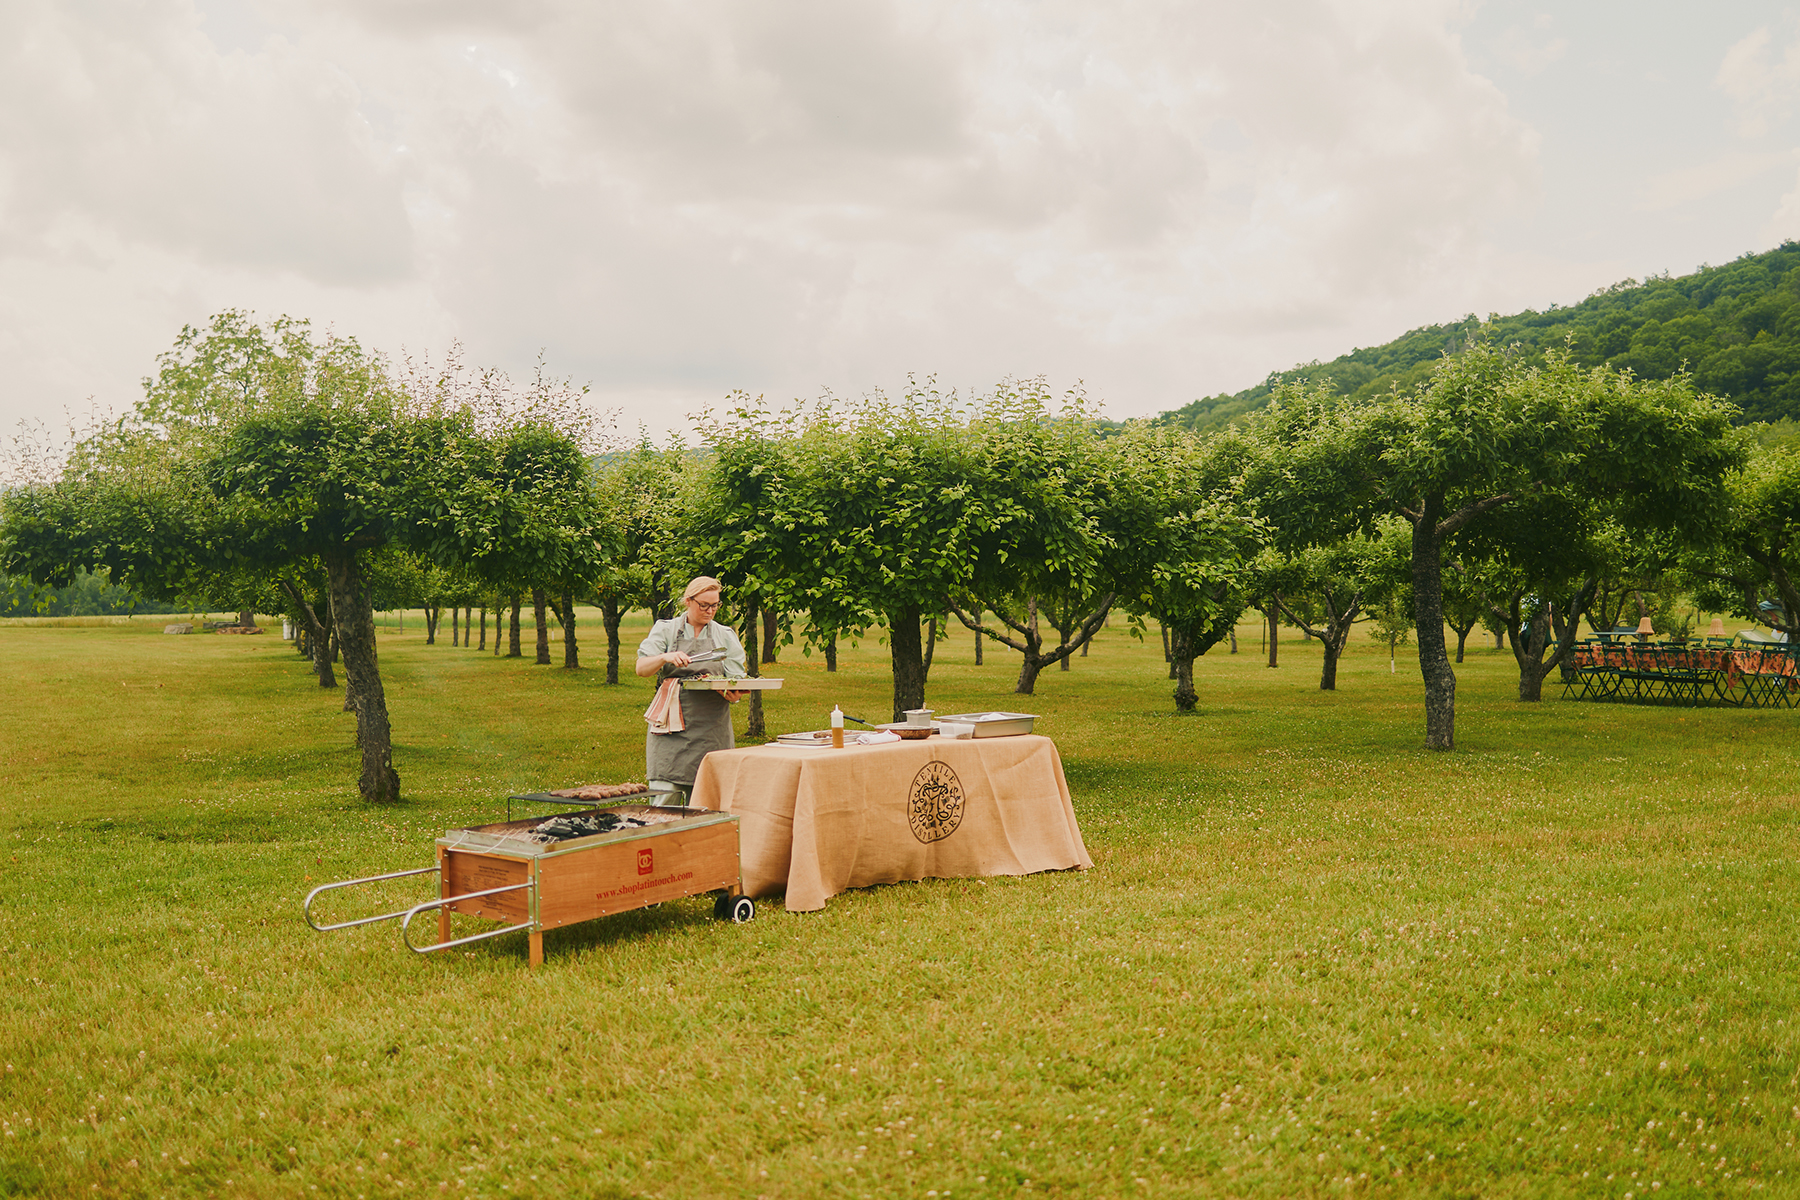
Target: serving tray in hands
x=716, y=684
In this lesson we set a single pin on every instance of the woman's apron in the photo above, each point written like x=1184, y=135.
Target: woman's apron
x=675, y=757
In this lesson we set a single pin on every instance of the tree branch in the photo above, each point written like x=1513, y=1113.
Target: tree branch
x=979, y=627
x=1469, y=512
x=1302, y=626
x=1089, y=628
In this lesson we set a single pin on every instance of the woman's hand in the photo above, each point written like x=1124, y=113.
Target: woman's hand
x=734, y=697
x=676, y=658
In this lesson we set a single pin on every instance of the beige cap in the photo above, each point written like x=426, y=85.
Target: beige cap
x=699, y=584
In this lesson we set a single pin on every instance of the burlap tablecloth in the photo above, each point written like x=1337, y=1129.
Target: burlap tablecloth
x=816, y=822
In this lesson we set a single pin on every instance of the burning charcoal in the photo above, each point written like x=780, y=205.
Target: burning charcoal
x=557, y=829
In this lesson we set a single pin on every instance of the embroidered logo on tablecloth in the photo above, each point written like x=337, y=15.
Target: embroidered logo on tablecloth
x=934, y=804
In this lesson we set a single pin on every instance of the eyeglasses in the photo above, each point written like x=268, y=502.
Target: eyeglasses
x=703, y=606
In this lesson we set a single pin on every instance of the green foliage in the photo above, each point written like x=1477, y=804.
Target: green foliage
x=259, y=456
x=1506, y=459
x=1735, y=328
x=876, y=512
x=644, y=499
x=1185, y=540
x=256, y=450
x=1753, y=569
x=89, y=593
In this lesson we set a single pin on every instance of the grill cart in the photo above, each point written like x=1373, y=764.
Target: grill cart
x=539, y=873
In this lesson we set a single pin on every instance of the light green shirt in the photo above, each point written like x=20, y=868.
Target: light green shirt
x=664, y=634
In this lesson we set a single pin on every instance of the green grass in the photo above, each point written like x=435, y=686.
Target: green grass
x=1311, y=958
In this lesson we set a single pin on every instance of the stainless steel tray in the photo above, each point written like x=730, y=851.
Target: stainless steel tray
x=713, y=683
x=992, y=724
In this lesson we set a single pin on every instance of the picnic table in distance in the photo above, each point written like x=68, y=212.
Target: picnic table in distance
x=1748, y=672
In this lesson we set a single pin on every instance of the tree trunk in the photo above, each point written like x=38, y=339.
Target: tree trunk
x=1334, y=648
x=1034, y=645
x=483, y=645
x=931, y=648
x=1234, y=640
x=539, y=603
x=1528, y=651
x=1181, y=648
x=336, y=646
x=1548, y=635
x=610, y=617
x=662, y=604
x=1274, y=631
x=317, y=642
x=318, y=645
x=247, y=619
x=1428, y=617
x=512, y=648
x=432, y=613
x=1531, y=681
x=978, y=640
x=571, y=652
x=1064, y=624
x=754, y=727
x=456, y=625
x=831, y=652
x=1462, y=636
x=356, y=634
x=909, y=662
x=771, y=629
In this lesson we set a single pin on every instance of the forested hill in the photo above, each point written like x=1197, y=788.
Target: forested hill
x=1736, y=327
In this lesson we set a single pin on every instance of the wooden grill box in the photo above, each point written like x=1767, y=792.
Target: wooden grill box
x=492, y=872
x=583, y=878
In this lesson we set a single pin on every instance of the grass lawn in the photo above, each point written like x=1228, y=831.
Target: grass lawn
x=1311, y=958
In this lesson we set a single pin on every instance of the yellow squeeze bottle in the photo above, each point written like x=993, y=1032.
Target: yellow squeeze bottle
x=837, y=728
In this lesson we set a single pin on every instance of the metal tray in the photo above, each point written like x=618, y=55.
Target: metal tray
x=713, y=684
x=992, y=724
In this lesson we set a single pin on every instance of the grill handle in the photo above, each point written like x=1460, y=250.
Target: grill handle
x=306, y=908
x=415, y=910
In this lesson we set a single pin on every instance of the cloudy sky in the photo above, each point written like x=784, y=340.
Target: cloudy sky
x=1163, y=198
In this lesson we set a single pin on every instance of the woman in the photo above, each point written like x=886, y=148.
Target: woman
x=672, y=755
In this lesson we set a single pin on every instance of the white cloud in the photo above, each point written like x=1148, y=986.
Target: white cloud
x=676, y=199
x=1531, y=49
x=1761, y=86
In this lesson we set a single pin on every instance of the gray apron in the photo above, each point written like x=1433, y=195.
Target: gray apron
x=675, y=757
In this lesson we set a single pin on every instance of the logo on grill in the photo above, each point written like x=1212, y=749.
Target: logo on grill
x=646, y=861
x=934, y=804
